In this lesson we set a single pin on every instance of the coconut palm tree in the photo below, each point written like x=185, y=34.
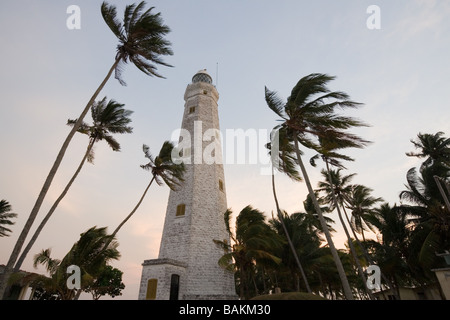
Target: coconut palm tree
x=305, y=239
x=332, y=190
x=86, y=253
x=391, y=251
x=163, y=170
x=142, y=42
x=330, y=142
x=429, y=216
x=361, y=204
x=252, y=241
x=5, y=216
x=307, y=114
x=108, y=118
x=434, y=147
x=285, y=162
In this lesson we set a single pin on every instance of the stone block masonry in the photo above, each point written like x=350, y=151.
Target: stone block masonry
x=187, y=265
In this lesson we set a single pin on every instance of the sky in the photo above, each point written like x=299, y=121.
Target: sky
x=398, y=70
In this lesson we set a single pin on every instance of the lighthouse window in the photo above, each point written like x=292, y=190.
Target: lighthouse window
x=181, y=208
x=191, y=109
x=220, y=185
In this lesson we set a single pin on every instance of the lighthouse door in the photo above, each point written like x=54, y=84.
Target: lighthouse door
x=174, y=287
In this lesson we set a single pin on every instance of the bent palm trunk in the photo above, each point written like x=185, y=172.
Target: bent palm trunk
x=340, y=268
x=350, y=243
x=52, y=209
x=113, y=235
x=291, y=245
x=26, y=229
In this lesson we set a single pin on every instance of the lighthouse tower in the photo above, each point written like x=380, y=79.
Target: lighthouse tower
x=187, y=266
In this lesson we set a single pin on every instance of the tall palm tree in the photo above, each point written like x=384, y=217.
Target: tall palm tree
x=428, y=214
x=285, y=163
x=307, y=113
x=5, y=216
x=108, y=118
x=253, y=240
x=163, y=169
x=304, y=239
x=141, y=41
x=87, y=253
x=391, y=251
x=330, y=142
x=361, y=204
x=332, y=189
x=434, y=147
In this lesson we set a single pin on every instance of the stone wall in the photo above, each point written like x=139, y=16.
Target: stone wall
x=188, y=239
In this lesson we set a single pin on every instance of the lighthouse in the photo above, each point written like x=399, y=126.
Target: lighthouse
x=187, y=266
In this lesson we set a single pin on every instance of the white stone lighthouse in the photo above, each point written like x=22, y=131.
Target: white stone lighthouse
x=187, y=266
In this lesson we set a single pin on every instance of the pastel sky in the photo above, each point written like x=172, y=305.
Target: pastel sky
x=400, y=73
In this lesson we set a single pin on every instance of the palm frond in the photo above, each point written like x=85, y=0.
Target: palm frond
x=275, y=103
x=163, y=168
x=286, y=160
x=141, y=38
x=5, y=216
x=109, y=14
x=44, y=258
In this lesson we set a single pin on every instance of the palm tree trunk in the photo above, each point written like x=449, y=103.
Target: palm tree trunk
x=441, y=190
x=53, y=208
x=27, y=227
x=131, y=213
x=349, y=239
x=337, y=261
x=111, y=237
x=366, y=254
x=291, y=245
x=243, y=284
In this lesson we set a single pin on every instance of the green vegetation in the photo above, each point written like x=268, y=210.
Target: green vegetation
x=5, y=217
x=89, y=254
x=299, y=254
x=292, y=252
x=141, y=37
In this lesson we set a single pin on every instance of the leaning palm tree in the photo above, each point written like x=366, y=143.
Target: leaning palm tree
x=252, y=241
x=285, y=162
x=163, y=170
x=5, y=216
x=361, y=204
x=391, y=250
x=434, y=147
x=87, y=253
x=305, y=115
x=332, y=190
x=108, y=118
x=330, y=142
x=141, y=41
x=428, y=214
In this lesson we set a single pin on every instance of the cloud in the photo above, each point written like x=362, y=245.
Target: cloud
x=420, y=17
